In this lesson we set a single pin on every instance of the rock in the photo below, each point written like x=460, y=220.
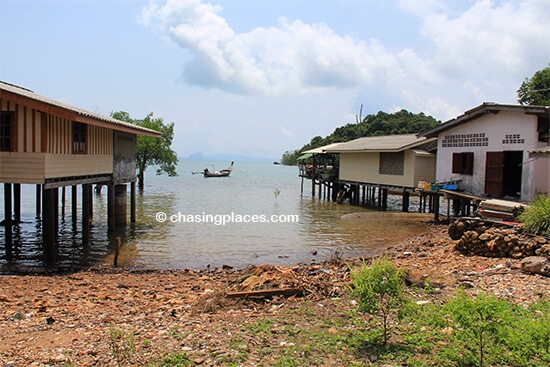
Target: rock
x=536, y=265
x=541, y=240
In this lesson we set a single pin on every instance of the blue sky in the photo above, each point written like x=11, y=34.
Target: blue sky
x=259, y=77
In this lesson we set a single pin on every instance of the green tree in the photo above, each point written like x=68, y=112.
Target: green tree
x=150, y=150
x=380, y=290
x=401, y=122
x=536, y=90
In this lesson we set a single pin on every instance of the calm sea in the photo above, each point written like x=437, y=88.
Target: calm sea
x=323, y=230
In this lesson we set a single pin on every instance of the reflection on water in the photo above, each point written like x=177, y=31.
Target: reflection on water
x=324, y=227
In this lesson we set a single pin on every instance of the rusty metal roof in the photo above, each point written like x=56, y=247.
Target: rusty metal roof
x=386, y=143
x=50, y=105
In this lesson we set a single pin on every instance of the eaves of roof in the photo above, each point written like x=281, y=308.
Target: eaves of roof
x=48, y=105
x=481, y=110
x=387, y=143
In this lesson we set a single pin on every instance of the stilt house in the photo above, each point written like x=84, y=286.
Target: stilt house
x=51, y=144
x=496, y=150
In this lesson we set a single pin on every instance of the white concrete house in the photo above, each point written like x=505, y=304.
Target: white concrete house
x=490, y=150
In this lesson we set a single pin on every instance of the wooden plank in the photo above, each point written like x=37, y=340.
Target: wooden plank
x=265, y=293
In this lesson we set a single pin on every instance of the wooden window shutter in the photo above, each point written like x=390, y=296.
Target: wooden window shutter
x=457, y=163
x=469, y=164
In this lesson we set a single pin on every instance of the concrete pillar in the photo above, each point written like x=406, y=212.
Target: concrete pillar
x=111, y=207
x=121, y=202
x=133, y=202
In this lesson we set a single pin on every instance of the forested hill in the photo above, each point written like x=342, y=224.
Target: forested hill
x=402, y=122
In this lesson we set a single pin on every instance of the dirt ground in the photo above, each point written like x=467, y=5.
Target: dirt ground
x=71, y=319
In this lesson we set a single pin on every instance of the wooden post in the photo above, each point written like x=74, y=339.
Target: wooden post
x=86, y=198
x=384, y=198
x=405, y=207
x=8, y=219
x=63, y=197
x=379, y=197
x=55, y=205
x=302, y=187
x=17, y=203
x=74, y=201
x=436, y=208
x=48, y=224
x=313, y=186
x=38, y=200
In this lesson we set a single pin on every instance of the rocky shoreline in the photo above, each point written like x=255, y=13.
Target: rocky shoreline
x=70, y=319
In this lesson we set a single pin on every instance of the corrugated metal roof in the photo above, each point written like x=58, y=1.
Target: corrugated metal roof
x=544, y=150
x=379, y=143
x=321, y=150
x=113, y=123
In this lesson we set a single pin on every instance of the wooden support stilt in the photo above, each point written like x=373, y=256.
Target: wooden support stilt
x=405, y=207
x=63, y=199
x=49, y=214
x=86, y=198
x=55, y=205
x=302, y=187
x=379, y=197
x=384, y=199
x=38, y=200
x=74, y=201
x=313, y=186
x=8, y=234
x=17, y=203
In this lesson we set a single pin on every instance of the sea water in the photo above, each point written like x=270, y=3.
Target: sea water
x=190, y=221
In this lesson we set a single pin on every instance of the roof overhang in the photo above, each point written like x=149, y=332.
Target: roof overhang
x=482, y=110
x=40, y=103
x=397, y=143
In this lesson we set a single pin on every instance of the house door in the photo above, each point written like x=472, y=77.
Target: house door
x=503, y=173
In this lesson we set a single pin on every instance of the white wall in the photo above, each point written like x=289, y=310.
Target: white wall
x=495, y=127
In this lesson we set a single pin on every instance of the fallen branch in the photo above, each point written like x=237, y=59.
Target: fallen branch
x=266, y=293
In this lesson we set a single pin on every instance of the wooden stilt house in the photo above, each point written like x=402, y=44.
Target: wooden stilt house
x=51, y=144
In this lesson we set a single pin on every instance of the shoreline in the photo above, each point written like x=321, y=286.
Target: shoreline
x=66, y=319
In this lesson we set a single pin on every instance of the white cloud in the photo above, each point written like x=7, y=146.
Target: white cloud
x=476, y=50
x=292, y=56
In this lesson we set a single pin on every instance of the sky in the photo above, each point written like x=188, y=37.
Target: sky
x=260, y=77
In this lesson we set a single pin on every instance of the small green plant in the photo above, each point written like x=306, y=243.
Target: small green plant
x=122, y=344
x=483, y=320
x=276, y=192
x=536, y=218
x=380, y=290
x=176, y=360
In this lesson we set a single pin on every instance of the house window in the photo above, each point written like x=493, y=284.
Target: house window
x=6, y=131
x=463, y=163
x=79, y=137
x=392, y=163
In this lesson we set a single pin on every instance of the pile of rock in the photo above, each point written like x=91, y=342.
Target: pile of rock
x=479, y=238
